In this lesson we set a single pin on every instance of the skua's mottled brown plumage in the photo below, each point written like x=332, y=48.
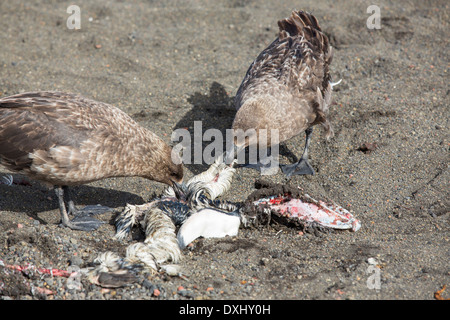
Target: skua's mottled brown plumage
x=288, y=87
x=63, y=139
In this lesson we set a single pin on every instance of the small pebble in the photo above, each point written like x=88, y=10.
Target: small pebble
x=156, y=292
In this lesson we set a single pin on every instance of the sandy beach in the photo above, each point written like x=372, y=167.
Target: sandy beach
x=170, y=63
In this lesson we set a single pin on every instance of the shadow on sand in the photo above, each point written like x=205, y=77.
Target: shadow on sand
x=215, y=111
x=33, y=198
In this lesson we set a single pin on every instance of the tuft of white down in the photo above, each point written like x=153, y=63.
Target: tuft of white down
x=161, y=246
x=335, y=83
x=107, y=262
x=214, y=182
x=208, y=223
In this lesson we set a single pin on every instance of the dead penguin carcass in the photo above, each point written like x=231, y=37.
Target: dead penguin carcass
x=191, y=206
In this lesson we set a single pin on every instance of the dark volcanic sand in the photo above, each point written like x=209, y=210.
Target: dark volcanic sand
x=170, y=63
